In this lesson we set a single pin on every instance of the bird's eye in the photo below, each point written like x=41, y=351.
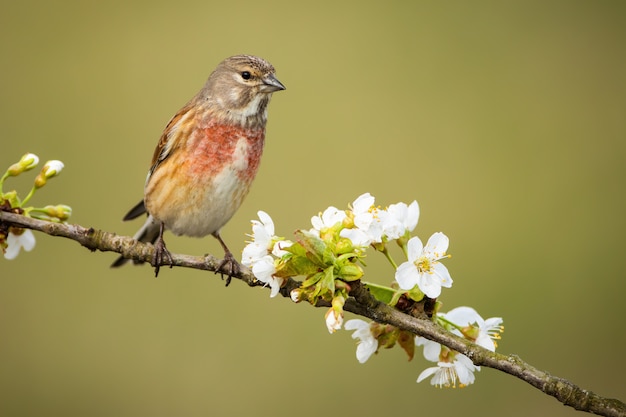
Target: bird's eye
x=246, y=75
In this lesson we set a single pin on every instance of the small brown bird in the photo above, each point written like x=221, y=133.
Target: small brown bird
x=207, y=157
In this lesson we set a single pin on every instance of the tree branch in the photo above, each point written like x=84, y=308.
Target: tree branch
x=361, y=303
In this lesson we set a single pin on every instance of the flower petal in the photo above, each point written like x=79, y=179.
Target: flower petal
x=365, y=349
x=437, y=245
x=275, y=284
x=363, y=203
x=264, y=268
x=332, y=216
x=414, y=248
x=465, y=369
x=267, y=221
x=252, y=252
x=279, y=248
x=356, y=324
x=429, y=284
x=427, y=372
x=463, y=316
x=432, y=350
x=358, y=237
x=442, y=274
x=412, y=217
x=407, y=276
x=13, y=247
x=27, y=240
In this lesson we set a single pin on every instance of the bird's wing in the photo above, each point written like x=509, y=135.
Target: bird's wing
x=171, y=137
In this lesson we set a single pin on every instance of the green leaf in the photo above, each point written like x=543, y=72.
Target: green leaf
x=381, y=293
x=314, y=247
x=312, y=280
x=350, y=272
x=297, y=249
x=296, y=265
x=415, y=294
x=329, y=280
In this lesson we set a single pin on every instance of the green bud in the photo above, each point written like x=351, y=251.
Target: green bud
x=28, y=161
x=61, y=211
x=12, y=198
x=343, y=245
x=338, y=303
x=64, y=212
x=49, y=170
x=350, y=272
x=52, y=168
x=40, y=180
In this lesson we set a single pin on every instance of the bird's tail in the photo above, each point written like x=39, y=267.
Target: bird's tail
x=149, y=232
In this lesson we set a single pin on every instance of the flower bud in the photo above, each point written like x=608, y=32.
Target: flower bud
x=334, y=320
x=64, y=212
x=28, y=161
x=12, y=198
x=295, y=295
x=350, y=272
x=344, y=245
x=49, y=170
x=40, y=180
x=61, y=211
x=52, y=168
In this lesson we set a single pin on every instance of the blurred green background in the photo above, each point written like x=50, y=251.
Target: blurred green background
x=505, y=120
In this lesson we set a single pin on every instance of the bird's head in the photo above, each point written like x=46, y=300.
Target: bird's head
x=240, y=88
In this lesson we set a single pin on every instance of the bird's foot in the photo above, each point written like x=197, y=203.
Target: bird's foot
x=160, y=254
x=228, y=266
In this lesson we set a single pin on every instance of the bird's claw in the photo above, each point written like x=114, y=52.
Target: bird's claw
x=228, y=266
x=160, y=254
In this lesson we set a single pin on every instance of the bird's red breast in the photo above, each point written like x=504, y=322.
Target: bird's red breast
x=213, y=148
x=198, y=187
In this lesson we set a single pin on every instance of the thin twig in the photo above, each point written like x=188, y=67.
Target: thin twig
x=361, y=303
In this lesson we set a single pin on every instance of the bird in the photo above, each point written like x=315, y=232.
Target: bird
x=207, y=158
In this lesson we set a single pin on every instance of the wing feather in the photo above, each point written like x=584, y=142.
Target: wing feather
x=171, y=139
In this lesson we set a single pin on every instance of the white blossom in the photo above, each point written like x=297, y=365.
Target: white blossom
x=334, y=320
x=329, y=218
x=488, y=330
x=264, y=251
x=423, y=267
x=15, y=242
x=451, y=368
x=368, y=344
x=400, y=219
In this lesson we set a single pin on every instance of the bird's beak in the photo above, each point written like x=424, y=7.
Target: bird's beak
x=271, y=84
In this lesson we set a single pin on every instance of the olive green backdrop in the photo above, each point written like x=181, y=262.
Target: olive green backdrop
x=505, y=120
